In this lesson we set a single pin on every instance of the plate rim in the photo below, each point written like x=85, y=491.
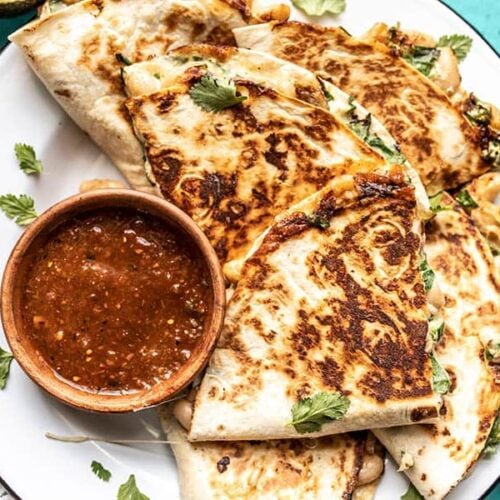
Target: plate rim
x=493, y=485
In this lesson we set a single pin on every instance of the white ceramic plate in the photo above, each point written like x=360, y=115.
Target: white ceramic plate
x=38, y=469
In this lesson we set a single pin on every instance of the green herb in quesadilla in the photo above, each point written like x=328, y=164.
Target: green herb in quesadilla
x=478, y=112
x=466, y=200
x=440, y=380
x=427, y=274
x=130, y=491
x=27, y=159
x=99, y=470
x=493, y=439
x=436, y=329
x=317, y=220
x=19, y=208
x=320, y=7
x=412, y=494
x=422, y=58
x=309, y=414
x=460, y=44
x=5, y=361
x=212, y=95
x=492, y=151
x=436, y=203
x=362, y=128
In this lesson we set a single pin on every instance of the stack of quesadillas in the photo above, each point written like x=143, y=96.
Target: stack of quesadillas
x=306, y=156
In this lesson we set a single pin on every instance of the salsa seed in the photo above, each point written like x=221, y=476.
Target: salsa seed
x=76, y=379
x=59, y=335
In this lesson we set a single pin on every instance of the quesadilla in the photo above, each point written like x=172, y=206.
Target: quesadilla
x=485, y=211
x=435, y=137
x=78, y=53
x=328, y=468
x=436, y=457
x=276, y=151
x=326, y=330
x=178, y=66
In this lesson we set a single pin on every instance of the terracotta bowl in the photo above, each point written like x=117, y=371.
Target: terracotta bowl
x=12, y=296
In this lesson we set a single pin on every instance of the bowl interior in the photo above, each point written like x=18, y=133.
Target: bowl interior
x=12, y=296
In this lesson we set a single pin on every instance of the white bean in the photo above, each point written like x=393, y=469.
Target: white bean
x=183, y=412
x=372, y=469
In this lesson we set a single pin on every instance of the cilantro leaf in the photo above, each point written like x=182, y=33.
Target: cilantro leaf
x=130, y=491
x=320, y=7
x=466, y=200
x=427, y=274
x=212, y=95
x=26, y=157
x=461, y=45
x=5, y=361
x=309, y=414
x=316, y=220
x=435, y=202
x=412, y=494
x=19, y=208
x=422, y=58
x=100, y=471
x=440, y=380
x=493, y=440
x=436, y=329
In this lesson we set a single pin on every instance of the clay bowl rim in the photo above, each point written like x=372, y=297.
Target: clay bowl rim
x=40, y=371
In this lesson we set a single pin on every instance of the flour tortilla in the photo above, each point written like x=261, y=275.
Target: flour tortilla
x=73, y=51
x=434, y=136
x=322, y=469
x=276, y=151
x=326, y=310
x=159, y=73
x=445, y=452
x=485, y=191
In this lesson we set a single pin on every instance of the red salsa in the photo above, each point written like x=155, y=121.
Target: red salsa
x=115, y=300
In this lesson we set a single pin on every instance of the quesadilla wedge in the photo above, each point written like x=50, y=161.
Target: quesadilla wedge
x=435, y=137
x=78, y=53
x=485, y=212
x=180, y=64
x=277, y=150
x=437, y=457
x=261, y=68
x=327, y=468
x=326, y=330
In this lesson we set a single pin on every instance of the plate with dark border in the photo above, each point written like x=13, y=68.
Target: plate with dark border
x=34, y=468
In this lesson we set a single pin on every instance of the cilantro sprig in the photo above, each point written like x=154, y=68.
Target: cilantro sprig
x=100, y=471
x=5, y=361
x=320, y=7
x=27, y=159
x=213, y=95
x=130, y=491
x=309, y=414
x=460, y=44
x=20, y=208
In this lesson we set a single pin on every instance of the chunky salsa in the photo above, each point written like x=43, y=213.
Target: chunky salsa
x=115, y=300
